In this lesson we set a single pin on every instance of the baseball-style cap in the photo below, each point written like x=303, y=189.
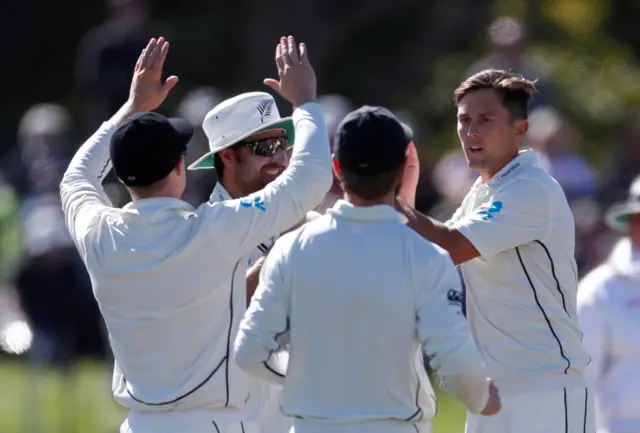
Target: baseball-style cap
x=238, y=118
x=371, y=140
x=147, y=146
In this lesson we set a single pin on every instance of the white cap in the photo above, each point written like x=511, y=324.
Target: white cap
x=237, y=118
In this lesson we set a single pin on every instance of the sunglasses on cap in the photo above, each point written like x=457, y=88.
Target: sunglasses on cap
x=267, y=146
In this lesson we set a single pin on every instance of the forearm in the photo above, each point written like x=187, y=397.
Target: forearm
x=254, y=355
x=253, y=278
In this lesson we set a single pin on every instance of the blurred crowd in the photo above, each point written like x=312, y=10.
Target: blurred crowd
x=41, y=266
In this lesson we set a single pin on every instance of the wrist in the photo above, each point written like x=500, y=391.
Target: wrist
x=127, y=110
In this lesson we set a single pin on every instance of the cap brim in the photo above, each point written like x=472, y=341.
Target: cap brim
x=206, y=161
x=616, y=217
x=183, y=128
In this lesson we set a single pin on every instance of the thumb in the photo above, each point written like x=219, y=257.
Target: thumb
x=274, y=84
x=169, y=84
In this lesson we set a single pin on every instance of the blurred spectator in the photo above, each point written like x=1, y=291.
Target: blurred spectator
x=507, y=37
x=558, y=143
x=608, y=309
x=624, y=164
x=335, y=108
x=194, y=107
x=107, y=56
x=452, y=179
x=53, y=287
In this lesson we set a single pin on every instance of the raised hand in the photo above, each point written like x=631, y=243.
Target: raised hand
x=147, y=89
x=411, y=176
x=297, y=83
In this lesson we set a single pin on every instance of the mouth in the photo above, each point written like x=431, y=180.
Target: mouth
x=475, y=149
x=273, y=171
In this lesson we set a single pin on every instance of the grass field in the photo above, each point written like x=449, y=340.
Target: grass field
x=39, y=401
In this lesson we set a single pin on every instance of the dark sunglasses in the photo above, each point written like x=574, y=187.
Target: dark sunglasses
x=267, y=146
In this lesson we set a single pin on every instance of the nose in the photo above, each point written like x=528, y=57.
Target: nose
x=472, y=130
x=281, y=157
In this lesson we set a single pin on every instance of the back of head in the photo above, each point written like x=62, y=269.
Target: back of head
x=370, y=148
x=145, y=150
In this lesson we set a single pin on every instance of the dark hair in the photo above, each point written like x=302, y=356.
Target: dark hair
x=515, y=90
x=218, y=165
x=371, y=187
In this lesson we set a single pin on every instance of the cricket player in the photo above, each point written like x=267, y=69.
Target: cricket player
x=248, y=143
x=513, y=237
x=608, y=305
x=165, y=275
x=355, y=294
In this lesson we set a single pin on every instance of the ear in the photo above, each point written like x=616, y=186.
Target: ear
x=180, y=166
x=228, y=156
x=520, y=129
x=337, y=170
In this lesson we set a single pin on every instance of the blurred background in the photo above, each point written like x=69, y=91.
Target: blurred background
x=67, y=68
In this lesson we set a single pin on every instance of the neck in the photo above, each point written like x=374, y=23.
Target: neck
x=232, y=188
x=388, y=199
x=486, y=175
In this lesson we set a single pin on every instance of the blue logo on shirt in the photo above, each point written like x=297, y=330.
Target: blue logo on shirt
x=257, y=202
x=496, y=207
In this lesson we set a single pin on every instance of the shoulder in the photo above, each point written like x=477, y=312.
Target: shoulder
x=595, y=286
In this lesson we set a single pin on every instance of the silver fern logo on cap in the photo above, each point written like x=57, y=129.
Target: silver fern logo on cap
x=264, y=108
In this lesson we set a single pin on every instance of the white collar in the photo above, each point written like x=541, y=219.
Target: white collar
x=219, y=194
x=378, y=212
x=526, y=158
x=155, y=208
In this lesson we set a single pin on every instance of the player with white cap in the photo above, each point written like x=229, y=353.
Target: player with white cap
x=169, y=278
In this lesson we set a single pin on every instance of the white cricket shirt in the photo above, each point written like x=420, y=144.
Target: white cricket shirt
x=170, y=279
x=354, y=294
x=521, y=291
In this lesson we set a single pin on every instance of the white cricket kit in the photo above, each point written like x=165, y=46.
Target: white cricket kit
x=354, y=294
x=170, y=279
x=270, y=419
x=521, y=298
x=609, y=312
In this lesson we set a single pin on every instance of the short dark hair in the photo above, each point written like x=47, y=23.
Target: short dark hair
x=218, y=165
x=371, y=187
x=515, y=90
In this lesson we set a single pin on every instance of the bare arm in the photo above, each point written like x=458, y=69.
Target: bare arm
x=459, y=247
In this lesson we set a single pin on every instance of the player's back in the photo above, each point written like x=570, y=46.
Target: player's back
x=354, y=344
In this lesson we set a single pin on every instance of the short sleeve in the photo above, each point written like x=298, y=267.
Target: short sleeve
x=518, y=214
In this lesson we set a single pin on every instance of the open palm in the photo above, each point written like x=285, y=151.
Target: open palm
x=148, y=91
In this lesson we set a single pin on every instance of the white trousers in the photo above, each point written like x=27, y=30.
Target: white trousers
x=184, y=422
x=558, y=411
x=305, y=426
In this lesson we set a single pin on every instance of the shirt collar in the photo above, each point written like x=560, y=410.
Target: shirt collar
x=525, y=158
x=219, y=194
x=380, y=212
x=149, y=208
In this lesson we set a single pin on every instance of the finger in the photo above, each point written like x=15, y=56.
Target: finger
x=140, y=60
x=293, y=50
x=274, y=84
x=279, y=60
x=162, y=56
x=155, y=53
x=286, y=55
x=147, y=53
x=169, y=84
x=304, y=58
